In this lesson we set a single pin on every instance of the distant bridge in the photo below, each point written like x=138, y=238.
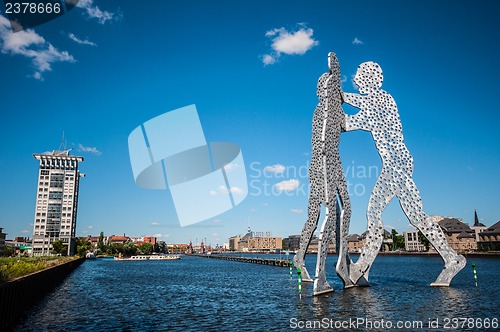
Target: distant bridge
x=254, y=260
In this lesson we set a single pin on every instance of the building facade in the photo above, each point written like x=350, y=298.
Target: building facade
x=233, y=242
x=412, y=242
x=56, y=201
x=489, y=239
x=355, y=243
x=459, y=235
x=264, y=244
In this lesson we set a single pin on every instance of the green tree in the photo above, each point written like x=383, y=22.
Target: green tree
x=100, y=243
x=129, y=249
x=398, y=241
x=162, y=247
x=146, y=248
x=58, y=248
x=422, y=239
x=116, y=248
x=82, y=247
x=8, y=251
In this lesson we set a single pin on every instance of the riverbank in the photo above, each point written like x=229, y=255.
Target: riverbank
x=12, y=268
x=19, y=294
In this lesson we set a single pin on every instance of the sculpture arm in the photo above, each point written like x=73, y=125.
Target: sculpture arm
x=358, y=120
x=353, y=99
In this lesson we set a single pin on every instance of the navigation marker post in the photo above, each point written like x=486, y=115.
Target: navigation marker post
x=475, y=274
x=299, y=280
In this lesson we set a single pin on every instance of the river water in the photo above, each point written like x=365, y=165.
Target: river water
x=200, y=294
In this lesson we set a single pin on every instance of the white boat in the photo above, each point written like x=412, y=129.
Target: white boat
x=148, y=257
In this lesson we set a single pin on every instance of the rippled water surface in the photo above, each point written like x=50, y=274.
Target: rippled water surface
x=199, y=294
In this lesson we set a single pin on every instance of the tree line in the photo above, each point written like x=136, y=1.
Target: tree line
x=126, y=249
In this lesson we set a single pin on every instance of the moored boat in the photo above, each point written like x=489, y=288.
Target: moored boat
x=148, y=257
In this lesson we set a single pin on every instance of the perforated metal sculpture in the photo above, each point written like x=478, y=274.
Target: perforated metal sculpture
x=379, y=115
x=327, y=180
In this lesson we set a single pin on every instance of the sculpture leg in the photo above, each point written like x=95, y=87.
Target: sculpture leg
x=411, y=203
x=343, y=262
x=313, y=211
x=382, y=194
x=322, y=286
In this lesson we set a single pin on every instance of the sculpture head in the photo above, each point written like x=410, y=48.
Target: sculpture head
x=369, y=77
x=333, y=65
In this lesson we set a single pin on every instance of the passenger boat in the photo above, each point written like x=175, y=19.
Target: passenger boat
x=148, y=258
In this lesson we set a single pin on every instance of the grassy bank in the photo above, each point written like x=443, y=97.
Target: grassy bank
x=14, y=267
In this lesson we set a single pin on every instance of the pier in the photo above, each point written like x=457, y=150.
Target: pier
x=254, y=260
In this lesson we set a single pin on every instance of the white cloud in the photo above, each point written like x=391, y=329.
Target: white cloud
x=278, y=168
x=216, y=220
x=24, y=231
x=95, y=12
x=154, y=223
x=287, y=185
x=81, y=41
x=343, y=79
x=90, y=227
x=89, y=149
x=157, y=235
x=297, y=210
x=33, y=46
x=356, y=41
x=213, y=193
x=234, y=190
x=289, y=42
x=389, y=227
x=268, y=59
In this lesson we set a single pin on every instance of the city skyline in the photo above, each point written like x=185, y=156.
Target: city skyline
x=102, y=69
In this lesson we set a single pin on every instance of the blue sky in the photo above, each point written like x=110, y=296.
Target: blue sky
x=251, y=68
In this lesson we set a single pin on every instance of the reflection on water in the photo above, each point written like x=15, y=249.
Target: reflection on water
x=213, y=295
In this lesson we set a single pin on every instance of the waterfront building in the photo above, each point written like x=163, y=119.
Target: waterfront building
x=355, y=242
x=56, y=201
x=292, y=243
x=233, y=242
x=387, y=242
x=259, y=241
x=94, y=240
x=2, y=240
x=489, y=239
x=118, y=239
x=478, y=227
x=459, y=235
x=149, y=239
x=412, y=241
x=264, y=244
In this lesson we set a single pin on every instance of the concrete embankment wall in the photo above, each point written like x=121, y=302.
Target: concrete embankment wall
x=19, y=295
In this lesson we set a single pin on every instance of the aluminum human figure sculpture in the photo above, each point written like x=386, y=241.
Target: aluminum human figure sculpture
x=379, y=115
x=327, y=180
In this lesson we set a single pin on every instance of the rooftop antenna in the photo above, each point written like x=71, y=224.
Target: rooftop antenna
x=62, y=146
